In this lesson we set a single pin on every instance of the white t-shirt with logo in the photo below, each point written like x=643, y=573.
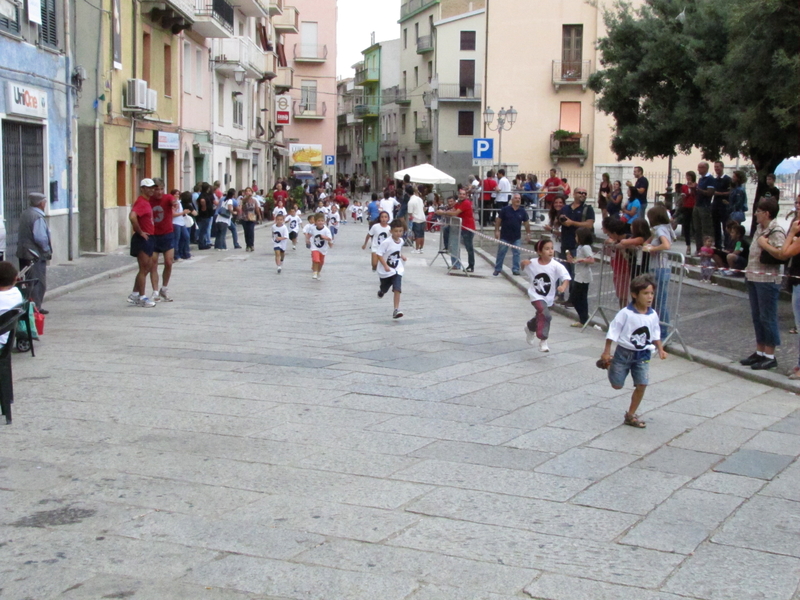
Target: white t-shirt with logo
x=634, y=330
x=293, y=223
x=333, y=219
x=544, y=280
x=387, y=205
x=379, y=233
x=278, y=232
x=319, y=244
x=391, y=251
x=278, y=210
x=309, y=229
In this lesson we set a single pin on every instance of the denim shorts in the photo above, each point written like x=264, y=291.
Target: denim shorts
x=635, y=362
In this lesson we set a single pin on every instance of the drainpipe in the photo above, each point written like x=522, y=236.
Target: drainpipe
x=98, y=197
x=70, y=124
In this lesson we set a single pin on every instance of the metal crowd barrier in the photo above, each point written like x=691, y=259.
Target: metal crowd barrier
x=449, y=242
x=619, y=266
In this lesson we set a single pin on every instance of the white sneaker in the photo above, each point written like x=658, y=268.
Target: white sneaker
x=162, y=293
x=314, y=276
x=279, y=270
x=420, y=251
x=543, y=346
x=145, y=302
x=294, y=247
x=156, y=297
x=133, y=298
x=529, y=335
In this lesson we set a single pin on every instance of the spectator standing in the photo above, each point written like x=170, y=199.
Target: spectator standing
x=640, y=187
x=181, y=231
x=503, y=191
x=223, y=221
x=34, y=247
x=205, y=213
x=508, y=229
x=416, y=210
x=574, y=216
x=720, y=205
x=489, y=187
x=738, y=197
x=553, y=186
x=141, y=218
x=791, y=250
x=683, y=214
x=164, y=207
x=662, y=237
x=604, y=194
x=701, y=216
x=463, y=210
x=614, y=205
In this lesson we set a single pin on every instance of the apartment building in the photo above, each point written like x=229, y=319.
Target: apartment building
x=349, y=156
x=310, y=51
x=37, y=136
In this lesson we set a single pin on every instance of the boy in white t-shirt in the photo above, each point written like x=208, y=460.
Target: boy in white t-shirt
x=320, y=240
x=308, y=229
x=637, y=332
x=390, y=264
x=333, y=220
x=293, y=223
x=280, y=234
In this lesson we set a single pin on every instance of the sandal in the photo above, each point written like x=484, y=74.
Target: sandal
x=793, y=330
x=634, y=421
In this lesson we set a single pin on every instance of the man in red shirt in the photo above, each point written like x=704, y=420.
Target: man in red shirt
x=280, y=195
x=489, y=185
x=463, y=210
x=141, y=219
x=553, y=186
x=164, y=207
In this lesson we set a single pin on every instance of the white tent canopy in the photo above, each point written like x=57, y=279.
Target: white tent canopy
x=425, y=174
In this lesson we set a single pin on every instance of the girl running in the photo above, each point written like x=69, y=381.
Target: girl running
x=544, y=274
x=379, y=231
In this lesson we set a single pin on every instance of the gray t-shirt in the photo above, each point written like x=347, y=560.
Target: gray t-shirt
x=583, y=271
x=658, y=260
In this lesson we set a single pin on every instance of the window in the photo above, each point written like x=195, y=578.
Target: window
x=11, y=25
x=466, y=78
x=570, y=116
x=468, y=40
x=167, y=69
x=308, y=39
x=430, y=70
x=416, y=32
x=187, y=68
x=416, y=124
x=466, y=122
x=403, y=124
x=198, y=76
x=238, y=113
x=572, y=51
x=48, y=30
x=308, y=95
x=405, y=38
x=146, y=57
x=416, y=77
x=221, y=102
x=405, y=82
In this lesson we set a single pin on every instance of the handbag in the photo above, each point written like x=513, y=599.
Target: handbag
x=188, y=221
x=765, y=258
x=224, y=213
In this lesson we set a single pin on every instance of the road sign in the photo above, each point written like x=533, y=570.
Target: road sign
x=482, y=162
x=330, y=159
x=482, y=149
x=282, y=105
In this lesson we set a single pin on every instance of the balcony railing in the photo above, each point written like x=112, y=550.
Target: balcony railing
x=575, y=146
x=288, y=22
x=424, y=44
x=275, y=7
x=285, y=78
x=390, y=140
x=183, y=8
x=367, y=76
x=455, y=92
x=370, y=109
x=310, y=110
x=310, y=52
x=423, y=135
x=213, y=18
x=410, y=7
x=571, y=73
x=238, y=52
x=394, y=94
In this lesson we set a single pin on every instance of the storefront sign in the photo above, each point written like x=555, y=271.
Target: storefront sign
x=243, y=154
x=165, y=140
x=310, y=154
x=203, y=148
x=283, y=107
x=26, y=100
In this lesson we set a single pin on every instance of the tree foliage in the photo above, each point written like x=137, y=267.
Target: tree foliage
x=720, y=75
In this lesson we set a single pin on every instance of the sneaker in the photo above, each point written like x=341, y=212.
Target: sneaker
x=380, y=294
x=294, y=247
x=145, y=302
x=397, y=313
x=754, y=358
x=515, y=273
x=420, y=251
x=529, y=335
x=543, y=347
x=470, y=269
x=156, y=297
x=313, y=276
x=765, y=364
x=162, y=293
x=279, y=270
x=133, y=298
x=495, y=273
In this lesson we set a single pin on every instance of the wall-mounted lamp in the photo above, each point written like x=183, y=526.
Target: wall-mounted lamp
x=238, y=74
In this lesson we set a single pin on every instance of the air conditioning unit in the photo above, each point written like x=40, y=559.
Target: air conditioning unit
x=152, y=100
x=136, y=94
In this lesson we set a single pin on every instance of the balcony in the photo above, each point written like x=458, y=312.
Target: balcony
x=288, y=21
x=427, y=99
x=423, y=135
x=566, y=145
x=213, y=19
x=571, y=73
x=394, y=94
x=370, y=109
x=341, y=119
x=412, y=7
x=367, y=76
x=275, y=7
x=424, y=44
x=167, y=11
x=343, y=150
x=253, y=8
x=309, y=110
x=310, y=53
x=453, y=92
x=285, y=79
x=272, y=64
x=389, y=141
x=240, y=53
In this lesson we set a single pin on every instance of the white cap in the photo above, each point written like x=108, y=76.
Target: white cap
x=148, y=183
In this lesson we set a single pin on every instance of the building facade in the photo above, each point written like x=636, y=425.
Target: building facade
x=349, y=157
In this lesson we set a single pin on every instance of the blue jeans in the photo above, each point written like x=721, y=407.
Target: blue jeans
x=220, y=236
x=203, y=232
x=502, y=250
x=466, y=240
x=764, y=312
x=181, y=244
x=661, y=277
x=235, y=234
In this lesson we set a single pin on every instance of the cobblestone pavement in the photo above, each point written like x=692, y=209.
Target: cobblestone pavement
x=269, y=436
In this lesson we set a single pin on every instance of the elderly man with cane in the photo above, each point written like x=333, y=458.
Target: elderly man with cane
x=33, y=246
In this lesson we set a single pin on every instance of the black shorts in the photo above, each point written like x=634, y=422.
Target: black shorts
x=164, y=242
x=293, y=235
x=418, y=227
x=394, y=281
x=139, y=245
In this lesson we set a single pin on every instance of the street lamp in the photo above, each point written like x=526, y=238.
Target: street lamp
x=238, y=74
x=504, y=117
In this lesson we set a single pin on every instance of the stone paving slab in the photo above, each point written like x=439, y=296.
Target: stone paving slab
x=313, y=447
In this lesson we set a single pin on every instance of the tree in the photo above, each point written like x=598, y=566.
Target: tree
x=720, y=75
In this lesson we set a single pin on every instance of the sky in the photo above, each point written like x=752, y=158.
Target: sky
x=357, y=19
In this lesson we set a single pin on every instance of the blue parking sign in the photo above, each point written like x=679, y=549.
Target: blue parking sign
x=483, y=149
x=330, y=159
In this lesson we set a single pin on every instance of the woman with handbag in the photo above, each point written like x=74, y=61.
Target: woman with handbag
x=224, y=215
x=181, y=223
x=763, y=276
x=251, y=214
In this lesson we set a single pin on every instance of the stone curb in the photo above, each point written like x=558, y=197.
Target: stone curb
x=74, y=286
x=703, y=357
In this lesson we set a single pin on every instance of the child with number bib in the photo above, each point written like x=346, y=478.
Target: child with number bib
x=544, y=274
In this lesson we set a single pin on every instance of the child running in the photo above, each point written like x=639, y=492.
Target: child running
x=333, y=220
x=280, y=233
x=293, y=222
x=378, y=232
x=308, y=230
x=390, y=264
x=636, y=331
x=544, y=274
x=320, y=240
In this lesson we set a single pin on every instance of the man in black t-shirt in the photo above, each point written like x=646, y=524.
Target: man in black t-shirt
x=574, y=216
x=720, y=207
x=640, y=188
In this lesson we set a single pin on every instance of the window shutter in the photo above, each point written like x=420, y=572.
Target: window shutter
x=11, y=25
x=48, y=31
